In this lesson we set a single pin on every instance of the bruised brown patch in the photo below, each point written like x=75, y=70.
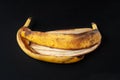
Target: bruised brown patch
x=27, y=31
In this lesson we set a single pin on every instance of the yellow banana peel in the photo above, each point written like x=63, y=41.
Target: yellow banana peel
x=58, y=46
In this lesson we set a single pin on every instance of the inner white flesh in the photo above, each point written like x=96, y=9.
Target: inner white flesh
x=71, y=31
x=60, y=52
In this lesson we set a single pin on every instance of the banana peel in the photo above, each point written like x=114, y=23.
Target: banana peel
x=59, y=46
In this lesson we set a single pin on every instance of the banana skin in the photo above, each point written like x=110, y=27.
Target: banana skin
x=87, y=39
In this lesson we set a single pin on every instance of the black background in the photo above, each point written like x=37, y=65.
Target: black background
x=102, y=64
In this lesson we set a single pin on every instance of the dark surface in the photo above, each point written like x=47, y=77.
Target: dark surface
x=102, y=64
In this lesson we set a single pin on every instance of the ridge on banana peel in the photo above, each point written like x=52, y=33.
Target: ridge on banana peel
x=59, y=46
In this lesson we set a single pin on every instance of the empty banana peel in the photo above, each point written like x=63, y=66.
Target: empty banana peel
x=58, y=46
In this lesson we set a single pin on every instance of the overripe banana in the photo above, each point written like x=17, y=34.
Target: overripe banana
x=59, y=46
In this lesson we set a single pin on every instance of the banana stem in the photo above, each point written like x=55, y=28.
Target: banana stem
x=94, y=26
x=27, y=23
